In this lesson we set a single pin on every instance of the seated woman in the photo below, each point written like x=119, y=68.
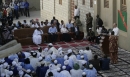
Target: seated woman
x=65, y=36
x=37, y=38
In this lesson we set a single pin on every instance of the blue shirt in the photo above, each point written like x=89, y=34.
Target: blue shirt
x=16, y=7
x=22, y=4
x=52, y=30
x=26, y=5
x=90, y=72
x=69, y=25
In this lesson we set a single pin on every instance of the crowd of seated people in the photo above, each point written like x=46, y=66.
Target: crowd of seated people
x=52, y=62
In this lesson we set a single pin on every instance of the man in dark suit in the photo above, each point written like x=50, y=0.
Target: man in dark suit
x=56, y=23
x=76, y=31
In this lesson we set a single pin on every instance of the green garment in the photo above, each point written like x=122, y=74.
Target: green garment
x=78, y=22
x=91, y=34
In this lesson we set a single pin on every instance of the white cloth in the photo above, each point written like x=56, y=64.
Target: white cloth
x=59, y=74
x=76, y=73
x=33, y=62
x=76, y=12
x=89, y=54
x=37, y=38
x=80, y=62
x=53, y=50
x=11, y=5
x=73, y=57
x=64, y=30
x=27, y=54
x=116, y=31
x=99, y=30
x=34, y=26
x=66, y=73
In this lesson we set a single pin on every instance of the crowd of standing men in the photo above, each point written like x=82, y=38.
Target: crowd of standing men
x=15, y=8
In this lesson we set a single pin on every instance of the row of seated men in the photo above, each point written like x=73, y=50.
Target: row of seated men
x=37, y=38
x=52, y=62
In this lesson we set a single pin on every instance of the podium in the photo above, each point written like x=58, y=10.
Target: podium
x=104, y=44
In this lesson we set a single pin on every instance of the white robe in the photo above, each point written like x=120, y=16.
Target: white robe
x=33, y=62
x=76, y=73
x=89, y=54
x=116, y=31
x=59, y=74
x=37, y=38
x=53, y=50
x=34, y=26
x=73, y=57
x=99, y=30
x=66, y=73
x=64, y=30
x=76, y=12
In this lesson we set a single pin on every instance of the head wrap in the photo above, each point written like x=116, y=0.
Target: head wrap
x=63, y=67
x=76, y=66
x=83, y=73
x=69, y=51
x=50, y=44
x=66, y=62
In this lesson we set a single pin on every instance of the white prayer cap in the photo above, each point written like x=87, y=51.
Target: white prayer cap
x=3, y=74
x=21, y=73
x=60, y=49
x=65, y=57
x=82, y=57
x=63, y=67
x=16, y=60
x=32, y=51
x=69, y=51
x=2, y=60
x=84, y=62
x=53, y=56
x=5, y=65
x=55, y=61
x=46, y=49
x=50, y=44
x=61, y=53
x=81, y=51
x=14, y=63
x=10, y=73
x=83, y=73
x=58, y=69
x=90, y=66
x=66, y=62
x=28, y=70
x=40, y=58
x=39, y=48
x=19, y=68
x=90, y=28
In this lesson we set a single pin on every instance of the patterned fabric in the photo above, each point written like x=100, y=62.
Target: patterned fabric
x=113, y=47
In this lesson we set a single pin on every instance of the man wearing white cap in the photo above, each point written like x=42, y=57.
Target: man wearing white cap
x=68, y=68
x=52, y=49
x=70, y=61
x=65, y=72
x=51, y=69
x=39, y=51
x=91, y=72
x=34, y=60
x=83, y=74
x=14, y=68
x=45, y=52
x=71, y=56
x=89, y=54
x=91, y=35
x=37, y=36
x=82, y=63
x=58, y=73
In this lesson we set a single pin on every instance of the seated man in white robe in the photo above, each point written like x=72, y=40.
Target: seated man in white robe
x=89, y=54
x=65, y=72
x=37, y=36
x=52, y=49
